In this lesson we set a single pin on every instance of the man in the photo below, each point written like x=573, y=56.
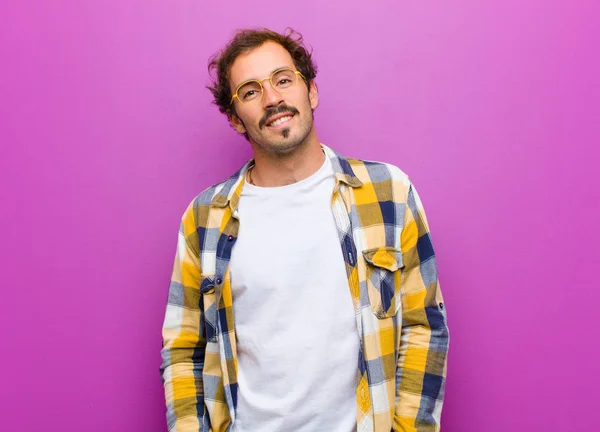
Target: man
x=304, y=295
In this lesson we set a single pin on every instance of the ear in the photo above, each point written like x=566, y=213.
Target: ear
x=237, y=123
x=313, y=95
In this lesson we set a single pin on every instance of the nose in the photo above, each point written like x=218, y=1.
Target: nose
x=271, y=97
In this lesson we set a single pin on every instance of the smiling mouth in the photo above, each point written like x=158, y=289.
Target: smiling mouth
x=280, y=121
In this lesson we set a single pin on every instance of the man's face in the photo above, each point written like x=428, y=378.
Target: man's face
x=257, y=119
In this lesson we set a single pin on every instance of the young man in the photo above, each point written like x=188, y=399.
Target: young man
x=304, y=295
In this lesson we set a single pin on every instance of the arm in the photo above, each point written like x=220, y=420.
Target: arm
x=183, y=336
x=421, y=372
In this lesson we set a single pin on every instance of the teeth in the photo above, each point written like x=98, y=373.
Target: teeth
x=280, y=120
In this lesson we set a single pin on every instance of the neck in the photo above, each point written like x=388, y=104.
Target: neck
x=273, y=169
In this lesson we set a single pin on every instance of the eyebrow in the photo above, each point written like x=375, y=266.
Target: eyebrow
x=270, y=73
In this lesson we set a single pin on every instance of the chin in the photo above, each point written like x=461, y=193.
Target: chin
x=283, y=141
x=284, y=146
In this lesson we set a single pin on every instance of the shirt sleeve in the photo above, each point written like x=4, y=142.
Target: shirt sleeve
x=183, y=336
x=422, y=357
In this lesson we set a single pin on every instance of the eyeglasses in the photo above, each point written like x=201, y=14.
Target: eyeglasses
x=251, y=91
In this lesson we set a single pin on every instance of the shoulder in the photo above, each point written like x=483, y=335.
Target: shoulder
x=196, y=213
x=370, y=172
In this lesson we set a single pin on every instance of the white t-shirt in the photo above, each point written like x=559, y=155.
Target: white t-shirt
x=297, y=341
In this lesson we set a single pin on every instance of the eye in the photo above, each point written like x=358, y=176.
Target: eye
x=249, y=91
x=250, y=94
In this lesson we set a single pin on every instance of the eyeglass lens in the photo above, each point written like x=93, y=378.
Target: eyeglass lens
x=281, y=81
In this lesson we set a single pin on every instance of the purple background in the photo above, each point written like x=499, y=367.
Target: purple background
x=107, y=133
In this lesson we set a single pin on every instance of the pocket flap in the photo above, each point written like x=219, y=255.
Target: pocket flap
x=385, y=257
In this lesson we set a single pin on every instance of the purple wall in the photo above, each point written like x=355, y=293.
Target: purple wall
x=107, y=133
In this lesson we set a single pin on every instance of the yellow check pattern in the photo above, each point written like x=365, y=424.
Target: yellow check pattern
x=392, y=277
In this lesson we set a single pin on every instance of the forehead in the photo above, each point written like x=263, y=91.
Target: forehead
x=259, y=63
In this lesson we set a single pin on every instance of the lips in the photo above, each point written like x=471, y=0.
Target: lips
x=279, y=119
x=276, y=113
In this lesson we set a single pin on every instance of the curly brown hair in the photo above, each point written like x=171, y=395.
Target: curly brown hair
x=244, y=41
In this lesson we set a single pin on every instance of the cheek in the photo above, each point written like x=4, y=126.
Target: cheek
x=250, y=118
x=305, y=101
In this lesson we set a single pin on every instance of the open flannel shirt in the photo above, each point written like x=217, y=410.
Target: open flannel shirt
x=392, y=277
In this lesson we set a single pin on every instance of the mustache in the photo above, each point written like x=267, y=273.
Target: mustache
x=274, y=111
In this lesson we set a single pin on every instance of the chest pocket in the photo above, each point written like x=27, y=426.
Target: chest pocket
x=383, y=277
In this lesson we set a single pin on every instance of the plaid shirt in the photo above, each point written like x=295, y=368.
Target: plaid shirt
x=392, y=277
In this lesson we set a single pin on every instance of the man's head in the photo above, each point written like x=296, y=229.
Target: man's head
x=264, y=82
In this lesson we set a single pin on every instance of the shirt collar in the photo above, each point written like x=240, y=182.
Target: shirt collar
x=231, y=189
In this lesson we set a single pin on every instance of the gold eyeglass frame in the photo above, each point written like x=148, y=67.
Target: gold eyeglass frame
x=262, y=90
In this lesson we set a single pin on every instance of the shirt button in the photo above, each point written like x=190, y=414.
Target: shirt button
x=442, y=306
x=230, y=238
x=219, y=280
